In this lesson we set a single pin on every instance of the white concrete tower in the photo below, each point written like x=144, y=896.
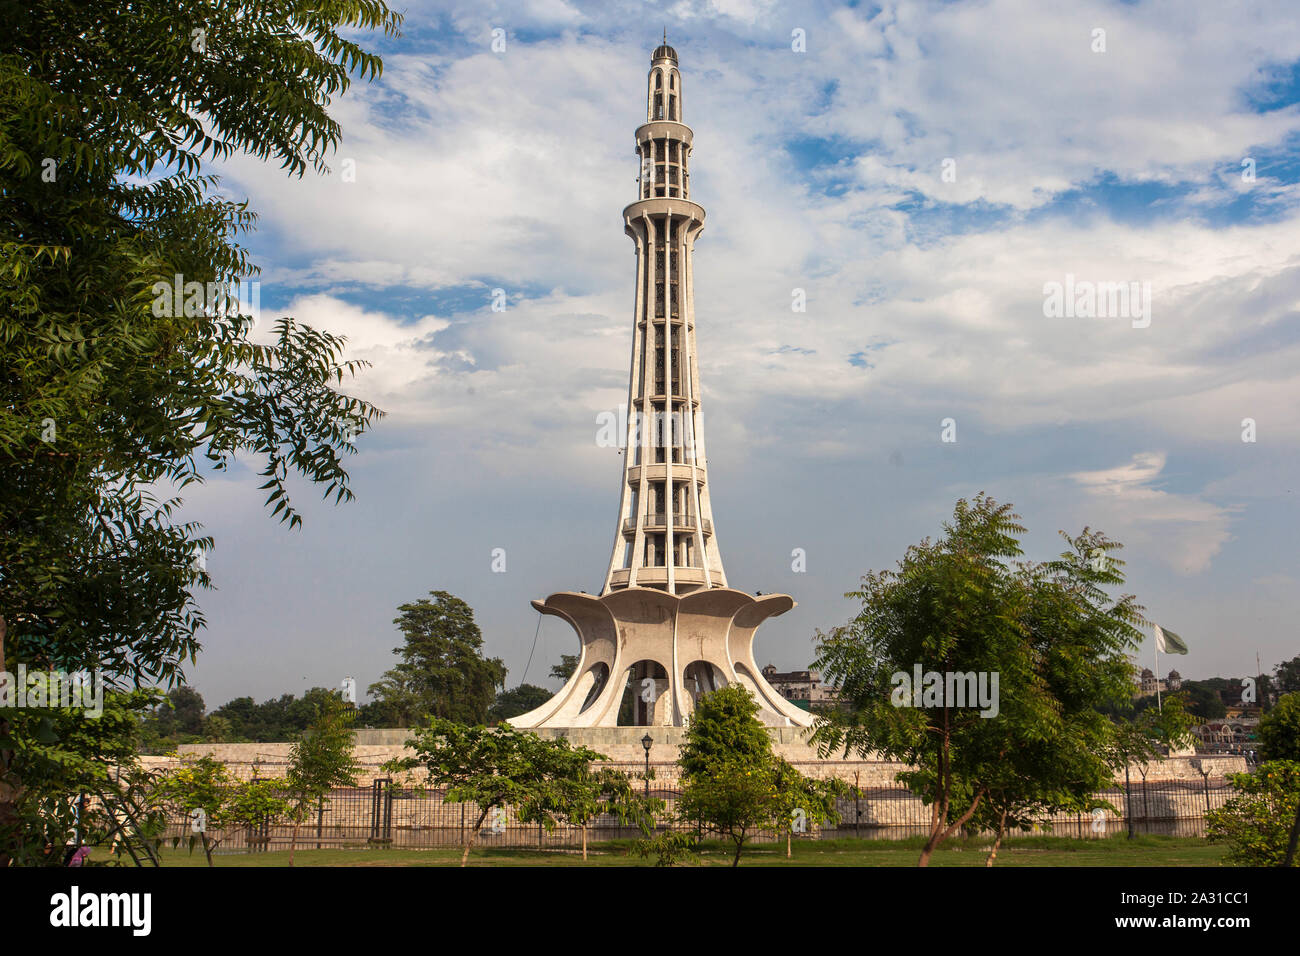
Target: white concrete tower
x=666, y=628
x=664, y=538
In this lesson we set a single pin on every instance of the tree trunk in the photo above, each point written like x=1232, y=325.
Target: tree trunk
x=938, y=836
x=469, y=840
x=584, y=843
x=1002, y=828
x=10, y=786
x=1295, y=838
x=787, y=844
x=207, y=848
x=293, y=841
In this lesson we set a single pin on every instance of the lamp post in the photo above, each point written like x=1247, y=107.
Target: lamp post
x=647, y=742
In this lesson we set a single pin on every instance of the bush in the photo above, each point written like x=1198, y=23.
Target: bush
x=1256, y=823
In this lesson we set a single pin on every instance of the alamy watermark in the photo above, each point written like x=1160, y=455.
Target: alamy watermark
x=947, y=689
x=665, y=429
x=193, y=299
x=1084, y=299
x=53, y=688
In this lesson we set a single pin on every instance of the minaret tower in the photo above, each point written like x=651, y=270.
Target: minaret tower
x=666, y=628
x=664, y=538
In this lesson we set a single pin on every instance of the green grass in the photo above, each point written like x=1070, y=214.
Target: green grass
x=1029, y=851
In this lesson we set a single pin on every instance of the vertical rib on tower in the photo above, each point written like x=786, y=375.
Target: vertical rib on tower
x=664, y=538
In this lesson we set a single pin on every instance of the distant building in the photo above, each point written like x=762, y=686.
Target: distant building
x=1234, y=734
x=1148, y=685
x=802, y=688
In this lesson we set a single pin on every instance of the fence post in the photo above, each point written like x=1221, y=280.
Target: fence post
x=1146, y=809
x=1128, y=801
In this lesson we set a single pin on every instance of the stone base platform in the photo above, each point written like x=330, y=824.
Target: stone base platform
x=622, y=747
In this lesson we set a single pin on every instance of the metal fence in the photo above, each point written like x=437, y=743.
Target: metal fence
x=387, y=815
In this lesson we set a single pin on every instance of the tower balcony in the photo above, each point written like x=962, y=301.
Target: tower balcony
x=664, y=129
x=661, y=397
x=659, y=522
x=661, y=206
x=658, y=576
x=658, y=471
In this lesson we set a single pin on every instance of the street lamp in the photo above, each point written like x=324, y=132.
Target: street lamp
x=647, y=742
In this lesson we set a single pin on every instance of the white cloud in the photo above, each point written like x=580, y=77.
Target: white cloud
x=1186, y=530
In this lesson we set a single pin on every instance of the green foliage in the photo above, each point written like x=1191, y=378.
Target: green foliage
x=324, y=758
x=500, y=767
x=799, y=801
x=1203, y=700
x=1257, y=823
x=966, y=604
x=104, y=125
x=520, y=700
x=107, y=402
x=1286, y=676
x=732, y=783
x=206, y=785
x=82, y=782
x=442, y=672
x=734, y=800
x=1279, y=730
x=564, y=670
x=724, y=727
x=283, y=718
x=668, y=847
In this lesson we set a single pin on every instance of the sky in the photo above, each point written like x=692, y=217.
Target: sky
x=923, y=175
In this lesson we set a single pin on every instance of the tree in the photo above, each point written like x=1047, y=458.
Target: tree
x=114, y=392
x=520, y=700
x=578, y=794
x=321, y=761
x=724, y=727
x=211, y=799
x=1279, y=730
x=1143, y=736
x=181, y=712
x=800, y=802
x=732, y=800
x=959, y=613
x=564, y=670
x=1048, y=748
x=498, y=767
x=442, y=672
x=952, y=606
x=1257, y=821
x=728, y=770
x=1203, y=701
x=84, y=781
x=1286, y=676
x=1279, y=739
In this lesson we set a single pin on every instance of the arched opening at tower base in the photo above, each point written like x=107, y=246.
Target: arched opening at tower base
x=646, y=701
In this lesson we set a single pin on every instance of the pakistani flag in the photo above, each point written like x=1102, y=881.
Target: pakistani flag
x=1167, y=642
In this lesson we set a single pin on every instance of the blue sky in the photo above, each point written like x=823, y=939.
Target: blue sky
x=822, y=170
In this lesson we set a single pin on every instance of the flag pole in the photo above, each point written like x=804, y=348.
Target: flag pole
x=1155, y=646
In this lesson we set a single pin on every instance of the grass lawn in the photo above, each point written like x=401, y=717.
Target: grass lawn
x=1029, y=851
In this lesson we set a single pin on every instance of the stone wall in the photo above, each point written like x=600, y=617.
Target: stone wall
x=622, y=745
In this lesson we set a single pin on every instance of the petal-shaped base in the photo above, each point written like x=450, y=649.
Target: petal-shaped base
x=680, y=646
